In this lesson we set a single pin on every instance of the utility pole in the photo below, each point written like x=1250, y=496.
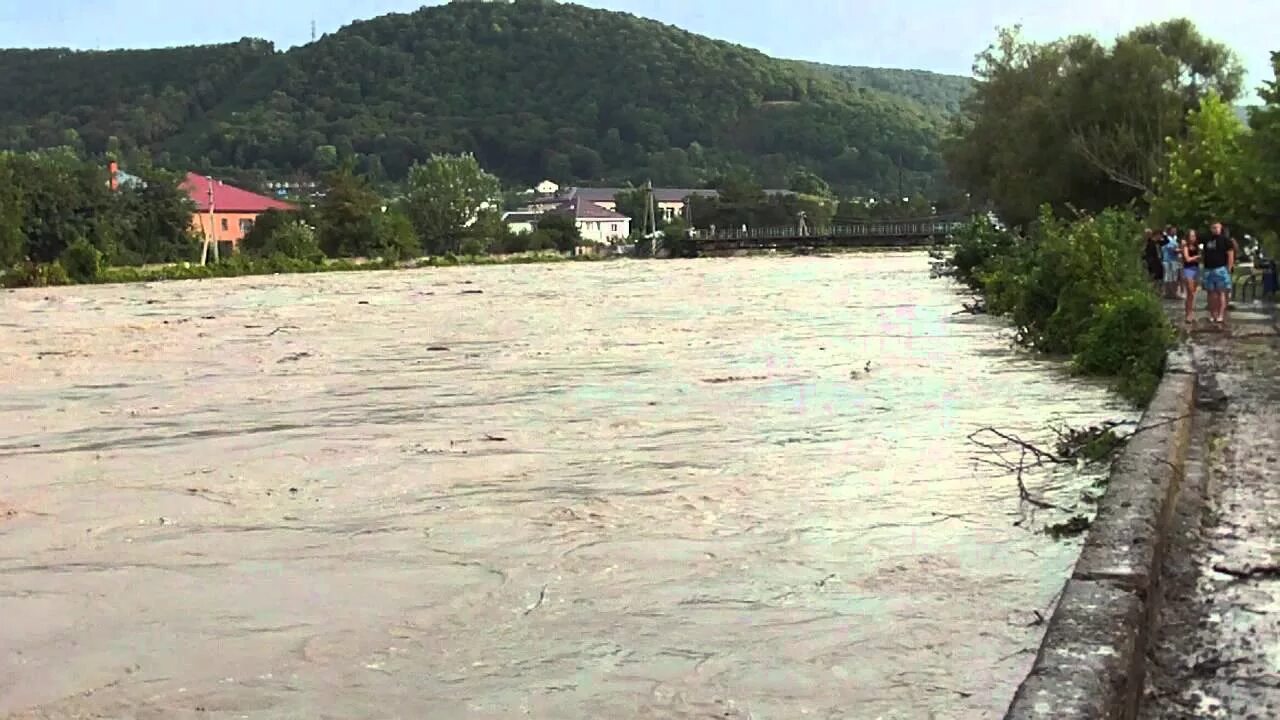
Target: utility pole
x=211, y=236
x=650, y=219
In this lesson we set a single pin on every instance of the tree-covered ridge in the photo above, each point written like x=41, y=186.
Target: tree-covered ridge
x=533, y=88
x=1080, y=124
x=140, y=97
x=935, y=91
x=538, y=89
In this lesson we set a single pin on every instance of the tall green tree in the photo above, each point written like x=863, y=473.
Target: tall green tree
x=633, y=202
x=806, y=182
x=1080, y=125
x=13, y=243
x=397, y=239
x=65, y=199
x=1263, y=154
x=1203, y=179
x=446, y=195
x=561, y=230
x=156, y=222
x=259, y=240
x=346, y=215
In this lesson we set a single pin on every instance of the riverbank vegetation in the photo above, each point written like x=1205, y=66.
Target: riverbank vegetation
x=1147, y=124
x=1076, y=146
x=61, y=222
x=1073, y=288
x=85, y=267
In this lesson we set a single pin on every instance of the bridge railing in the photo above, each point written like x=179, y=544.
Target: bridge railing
x=915, y=228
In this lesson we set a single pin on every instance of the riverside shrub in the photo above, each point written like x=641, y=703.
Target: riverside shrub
x=1073, y=288
x=82, y=261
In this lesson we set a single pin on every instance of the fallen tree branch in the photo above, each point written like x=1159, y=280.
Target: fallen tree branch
x=1259, y=572
x=1163, y=423
x=1026, y=496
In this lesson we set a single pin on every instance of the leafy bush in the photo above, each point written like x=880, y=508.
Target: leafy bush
x=515, y=243
x=295, y=240
x=35, y=275
x=541, y=240
x=259, y=242
x=396, y=238
x=1128, y=338
x=560, y=230
x=977, y=246
x=82, y=261
x=1073, y=288
x=471, y=247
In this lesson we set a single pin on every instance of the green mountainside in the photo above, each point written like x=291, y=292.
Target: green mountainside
x=943, y=93
x=536, y=89
x=140, y=97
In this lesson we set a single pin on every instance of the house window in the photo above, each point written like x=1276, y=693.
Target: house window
x=246, y=226
x=615, y=227
x=225, y=224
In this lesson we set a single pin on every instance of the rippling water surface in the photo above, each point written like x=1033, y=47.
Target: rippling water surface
x=623, y=490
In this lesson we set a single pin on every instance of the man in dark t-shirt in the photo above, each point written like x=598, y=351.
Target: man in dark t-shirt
x=1218, y=260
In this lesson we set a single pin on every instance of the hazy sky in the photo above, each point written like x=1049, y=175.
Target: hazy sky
x=940, y=35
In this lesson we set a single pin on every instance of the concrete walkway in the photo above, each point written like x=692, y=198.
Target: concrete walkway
x=1215, y=648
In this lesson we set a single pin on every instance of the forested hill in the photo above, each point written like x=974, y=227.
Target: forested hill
x=140, y=97
x=534, y=88
x=935, y=91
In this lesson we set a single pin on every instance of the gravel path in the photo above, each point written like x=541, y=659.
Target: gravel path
x=1216, y=652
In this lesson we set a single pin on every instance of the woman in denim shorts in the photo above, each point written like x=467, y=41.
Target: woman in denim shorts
x=1191, y=271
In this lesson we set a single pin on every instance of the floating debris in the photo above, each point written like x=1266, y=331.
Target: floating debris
x=734, y=378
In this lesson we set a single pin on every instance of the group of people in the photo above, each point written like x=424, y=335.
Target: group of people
x=1181, y=263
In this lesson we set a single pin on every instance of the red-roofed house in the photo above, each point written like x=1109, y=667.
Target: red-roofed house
x=233, y=210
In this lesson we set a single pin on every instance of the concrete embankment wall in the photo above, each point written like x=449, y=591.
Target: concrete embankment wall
x=1091, y=662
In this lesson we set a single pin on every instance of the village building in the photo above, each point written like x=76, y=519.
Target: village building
x=234, y=210
x=669, y=203
x=597, y=224
x=521, y=221
x=225, y=213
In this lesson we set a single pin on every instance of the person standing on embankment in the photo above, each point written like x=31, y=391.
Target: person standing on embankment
x=1191, y=271
x=1219, y=260
x=1153, y=257
x=1171, y=256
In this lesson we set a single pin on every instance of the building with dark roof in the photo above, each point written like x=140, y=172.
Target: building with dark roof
x=597, y=224
x=669, y=202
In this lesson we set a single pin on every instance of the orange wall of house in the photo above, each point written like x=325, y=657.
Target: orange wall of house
x=232, y=234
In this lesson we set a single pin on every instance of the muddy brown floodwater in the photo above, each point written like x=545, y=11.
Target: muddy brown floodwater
x=622, y=490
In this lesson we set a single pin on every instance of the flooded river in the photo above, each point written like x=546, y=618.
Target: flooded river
x=705, y=489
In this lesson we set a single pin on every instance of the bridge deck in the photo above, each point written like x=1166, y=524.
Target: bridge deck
x=907, y=233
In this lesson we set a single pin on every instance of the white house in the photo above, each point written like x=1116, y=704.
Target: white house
x=546, y=187
x=595, y=224
x=521, y=221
